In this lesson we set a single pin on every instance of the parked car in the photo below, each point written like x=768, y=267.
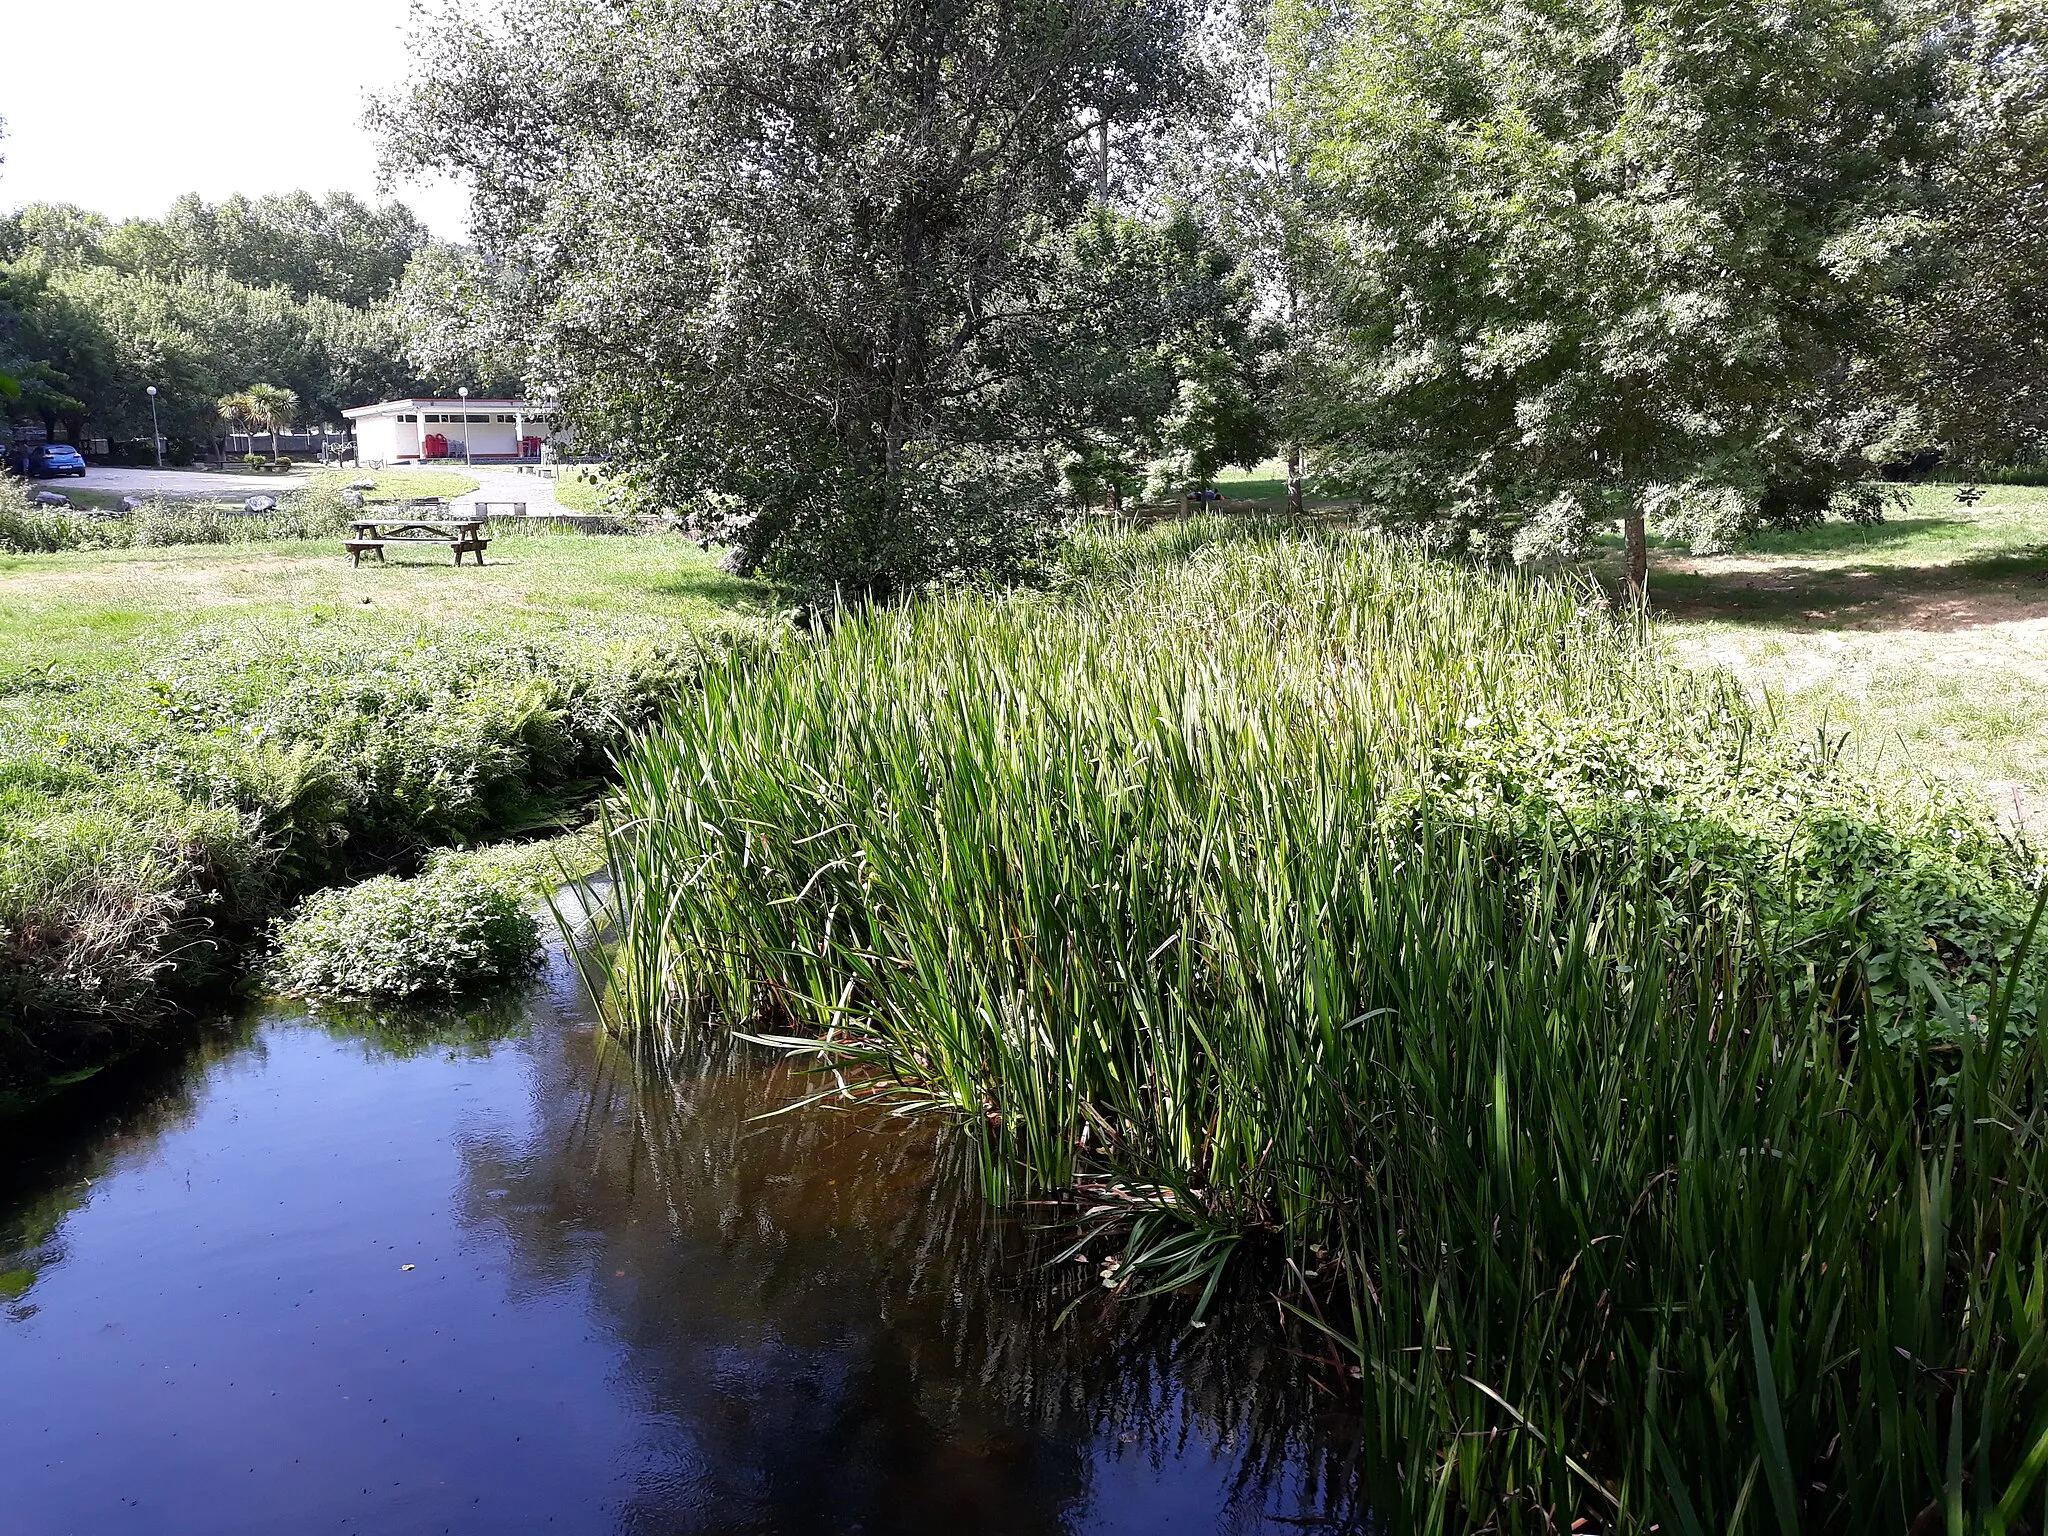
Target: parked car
x=47, y=460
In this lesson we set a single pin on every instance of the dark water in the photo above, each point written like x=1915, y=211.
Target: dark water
x=477, y=1273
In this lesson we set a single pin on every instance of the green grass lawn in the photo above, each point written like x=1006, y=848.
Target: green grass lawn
x=1925, y=637
x=582, y=490
x=398, y=484
x=93, y=609
x=1261, y=482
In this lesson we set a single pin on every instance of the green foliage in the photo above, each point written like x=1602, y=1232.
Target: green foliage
x=163, y=521
x=1966, y=349
x=1159, y=371
x=152, y=819
x=1602, y=267
x=337, y=248
x=443, y=932
x=202, y=304
x=824, y=319
x=1637, y=1093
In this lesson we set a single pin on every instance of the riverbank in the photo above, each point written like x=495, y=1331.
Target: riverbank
x=1428, y=935
x=192, y=736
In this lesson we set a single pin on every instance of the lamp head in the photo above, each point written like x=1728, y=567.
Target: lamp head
x=152, y=391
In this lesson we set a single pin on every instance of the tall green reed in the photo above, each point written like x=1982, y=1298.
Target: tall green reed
x=1181, y=892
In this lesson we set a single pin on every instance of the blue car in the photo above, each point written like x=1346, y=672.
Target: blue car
x=48, y=460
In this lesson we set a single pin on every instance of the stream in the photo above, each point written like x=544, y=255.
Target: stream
x=475, y=1271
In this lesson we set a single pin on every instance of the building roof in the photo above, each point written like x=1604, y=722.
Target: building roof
x=440, y=403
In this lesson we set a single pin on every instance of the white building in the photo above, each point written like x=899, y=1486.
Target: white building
x=413, y=431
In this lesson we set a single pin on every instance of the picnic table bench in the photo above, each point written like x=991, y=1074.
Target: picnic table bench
x=415, y=525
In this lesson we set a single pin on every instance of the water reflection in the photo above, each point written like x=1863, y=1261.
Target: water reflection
x=635, y=1304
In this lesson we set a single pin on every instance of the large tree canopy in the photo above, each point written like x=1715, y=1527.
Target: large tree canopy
x=810, y=266
x=290, y=290
x=1968, y=351
x=1588, y=259
x=850, y=278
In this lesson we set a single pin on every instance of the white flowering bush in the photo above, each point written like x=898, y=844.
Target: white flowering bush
x=449, y=930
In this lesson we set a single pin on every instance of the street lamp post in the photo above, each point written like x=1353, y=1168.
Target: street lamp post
x=155, y=432
x=464, y=393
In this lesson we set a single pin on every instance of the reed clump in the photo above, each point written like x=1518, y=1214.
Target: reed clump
x=1645, y=1107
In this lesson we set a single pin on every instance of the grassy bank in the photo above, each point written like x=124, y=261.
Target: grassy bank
x=1634, y=1095
x=191, y=736
x=1926, y=636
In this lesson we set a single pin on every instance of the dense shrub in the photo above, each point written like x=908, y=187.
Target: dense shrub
x=446, y=931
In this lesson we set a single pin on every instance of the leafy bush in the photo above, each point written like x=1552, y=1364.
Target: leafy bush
x=447, y=931
x=150, y=822
x=253, y=459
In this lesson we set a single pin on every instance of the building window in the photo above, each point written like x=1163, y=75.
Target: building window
x=484, y=419
x=409, y=418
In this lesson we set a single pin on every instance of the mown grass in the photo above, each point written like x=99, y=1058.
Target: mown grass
x=584, y=490
x=397, y=484
x=1926, y=637
x=191, y=736
x=1642, y=1104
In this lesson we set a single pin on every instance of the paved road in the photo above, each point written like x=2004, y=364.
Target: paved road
x=178, y=482
x=537, y=491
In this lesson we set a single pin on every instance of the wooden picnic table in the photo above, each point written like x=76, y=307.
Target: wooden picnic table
x=465, y=535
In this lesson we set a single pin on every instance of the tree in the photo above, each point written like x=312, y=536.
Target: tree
x=273, y=406
x=336, y=248
x=1158, y=375
x=789, y=258
x=239, y=410
x=453, y=335
x=1969, y=347
x=1616, y=262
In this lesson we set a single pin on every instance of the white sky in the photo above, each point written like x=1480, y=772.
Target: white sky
x=121, y=105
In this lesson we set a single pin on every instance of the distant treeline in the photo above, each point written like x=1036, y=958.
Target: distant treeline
x=294, y=291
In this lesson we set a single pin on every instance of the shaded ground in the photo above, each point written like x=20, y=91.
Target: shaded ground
x=1925, y=637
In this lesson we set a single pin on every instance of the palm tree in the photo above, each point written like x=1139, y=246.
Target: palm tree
x=274, y=406
x=236, y=410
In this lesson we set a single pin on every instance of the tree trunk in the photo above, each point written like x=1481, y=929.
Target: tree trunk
x=1102, y=158
x=1638, y=537
x=1294, y=500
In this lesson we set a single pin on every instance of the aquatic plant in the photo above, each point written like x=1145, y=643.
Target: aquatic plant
x=1643, y=1105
